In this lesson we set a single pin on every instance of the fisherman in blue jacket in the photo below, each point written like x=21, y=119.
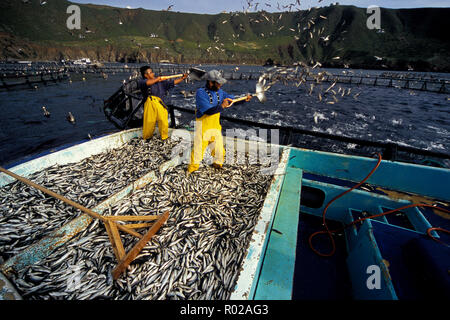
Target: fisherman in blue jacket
x=210, y=101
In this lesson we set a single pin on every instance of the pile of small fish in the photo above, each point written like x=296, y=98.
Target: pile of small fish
x=196, y=254
x=27, y=214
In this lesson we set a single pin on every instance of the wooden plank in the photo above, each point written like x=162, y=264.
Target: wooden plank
x=139, y=225
x=129, y=231
x=133, y=253
x=114, y=238
x=111, y=240
x=133, y=218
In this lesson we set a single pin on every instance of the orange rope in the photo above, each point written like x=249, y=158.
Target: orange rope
x=330, y=233
x=437, y=229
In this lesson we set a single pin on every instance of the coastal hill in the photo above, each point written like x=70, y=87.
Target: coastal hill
x=335, y=36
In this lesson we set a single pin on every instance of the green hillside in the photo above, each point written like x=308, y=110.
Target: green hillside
x=414, y=37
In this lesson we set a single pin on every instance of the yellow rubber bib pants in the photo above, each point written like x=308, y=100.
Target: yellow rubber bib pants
x=207, y=130
x=155, y=112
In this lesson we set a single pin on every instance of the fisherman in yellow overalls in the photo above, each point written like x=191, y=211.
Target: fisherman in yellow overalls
x=154, y=91
x=210, y=101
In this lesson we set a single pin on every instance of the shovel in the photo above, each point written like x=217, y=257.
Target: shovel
x=260, y=94
x=196, y=73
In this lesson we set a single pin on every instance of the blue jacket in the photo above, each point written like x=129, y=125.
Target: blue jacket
x=210, y=102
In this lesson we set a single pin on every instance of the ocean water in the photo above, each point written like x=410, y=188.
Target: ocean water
x=406, y=117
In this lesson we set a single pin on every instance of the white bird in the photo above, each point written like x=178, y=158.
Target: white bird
x=46, y=113
x=71, y=118
x=317, y=64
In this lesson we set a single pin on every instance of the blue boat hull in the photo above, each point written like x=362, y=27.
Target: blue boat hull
x=379, y=253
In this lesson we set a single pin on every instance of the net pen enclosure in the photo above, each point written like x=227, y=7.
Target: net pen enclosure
x=240, y=232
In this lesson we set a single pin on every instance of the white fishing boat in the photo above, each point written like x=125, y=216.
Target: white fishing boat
x=82, y=61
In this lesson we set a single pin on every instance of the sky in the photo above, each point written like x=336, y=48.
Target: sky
x=217, y=6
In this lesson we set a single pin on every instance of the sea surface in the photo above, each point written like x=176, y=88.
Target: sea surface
x=406, y=117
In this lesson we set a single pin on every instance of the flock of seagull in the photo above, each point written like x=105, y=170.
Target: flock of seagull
x=281, y=74
x=299, y=75
x=309, y=26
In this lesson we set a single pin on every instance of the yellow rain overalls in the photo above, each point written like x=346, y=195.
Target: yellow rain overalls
x=154, y=112
x=207, y=127
x=207, y=130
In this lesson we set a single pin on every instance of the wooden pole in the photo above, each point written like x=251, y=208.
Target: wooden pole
x=171, y=77
x=133, y=253
x=114, y=238
x=133, y=218
x=68, y=201
x=139, y=225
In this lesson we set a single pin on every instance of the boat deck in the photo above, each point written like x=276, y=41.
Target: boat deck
x=393, y=243
x=320, y=279
x=279, y=264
